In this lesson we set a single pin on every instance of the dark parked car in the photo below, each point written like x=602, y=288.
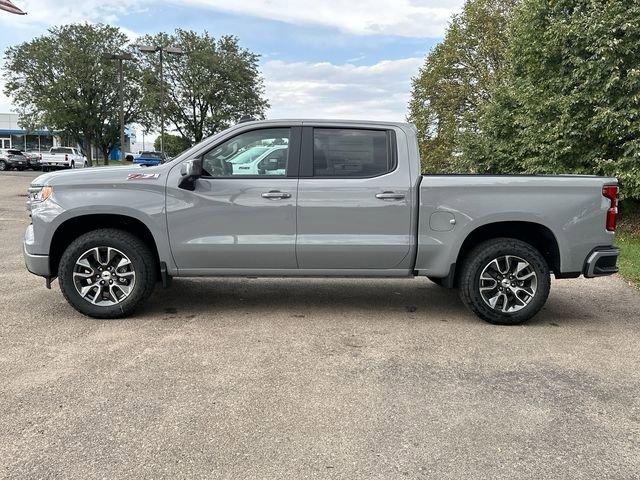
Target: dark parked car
x=150, y=159
x=12, y=158
x=34, y=158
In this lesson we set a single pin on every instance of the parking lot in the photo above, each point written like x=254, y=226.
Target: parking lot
x=313, y=378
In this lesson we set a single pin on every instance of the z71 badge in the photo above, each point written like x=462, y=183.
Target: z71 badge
x=143, y=176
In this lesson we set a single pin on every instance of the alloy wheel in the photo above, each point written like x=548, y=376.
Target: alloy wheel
x=508, y=283
x=104, y=276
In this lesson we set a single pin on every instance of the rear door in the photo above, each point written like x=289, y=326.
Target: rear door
x=354, y=200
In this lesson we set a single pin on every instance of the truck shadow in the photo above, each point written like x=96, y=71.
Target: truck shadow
x=303, y=297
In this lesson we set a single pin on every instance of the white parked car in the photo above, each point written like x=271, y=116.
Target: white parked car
x=63, y=157
x=261, y=160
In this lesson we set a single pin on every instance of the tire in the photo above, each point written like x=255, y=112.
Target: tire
x=122, y=245
x=520, y=291
x=3, y=165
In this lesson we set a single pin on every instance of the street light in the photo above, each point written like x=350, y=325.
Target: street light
x=162, y=50
x=120, y=57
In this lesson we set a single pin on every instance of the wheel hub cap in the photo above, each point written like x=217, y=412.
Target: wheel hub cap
x=104, y=276
x=508, y=283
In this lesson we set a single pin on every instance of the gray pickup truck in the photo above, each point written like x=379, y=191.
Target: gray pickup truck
x=316, y=198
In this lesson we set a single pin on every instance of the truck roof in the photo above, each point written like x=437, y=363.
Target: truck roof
x=330, y=121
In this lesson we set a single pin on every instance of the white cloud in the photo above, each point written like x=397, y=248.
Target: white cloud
x=326, y=90
x=48, y=12
x=411, y=18
x=422, y=18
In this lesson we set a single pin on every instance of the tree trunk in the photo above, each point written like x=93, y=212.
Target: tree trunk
x=87, y=146
x=105, y=155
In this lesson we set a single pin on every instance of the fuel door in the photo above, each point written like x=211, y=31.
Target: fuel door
x=441, y=221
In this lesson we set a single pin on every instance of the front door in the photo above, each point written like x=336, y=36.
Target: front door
x=242, y=214
x=354, y=201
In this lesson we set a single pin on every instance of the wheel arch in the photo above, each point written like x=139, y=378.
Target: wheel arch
x=537, y=235
x=73, y=227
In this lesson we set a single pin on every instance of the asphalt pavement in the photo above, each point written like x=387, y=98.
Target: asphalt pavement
x=313, y=378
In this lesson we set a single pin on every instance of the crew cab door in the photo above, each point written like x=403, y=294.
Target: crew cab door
x=237, y=220
x=354, y=200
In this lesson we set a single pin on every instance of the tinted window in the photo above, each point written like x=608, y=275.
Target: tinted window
x=341, y=152
x=62, y=150
x=258, y=152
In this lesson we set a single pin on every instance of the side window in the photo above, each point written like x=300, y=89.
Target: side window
x=257, y=153
x=342, y=152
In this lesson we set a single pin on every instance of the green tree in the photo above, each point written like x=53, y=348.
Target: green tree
x=210, y=87
x=570, y=100
x=458, y=77
x=61, y=80
x=172, y=144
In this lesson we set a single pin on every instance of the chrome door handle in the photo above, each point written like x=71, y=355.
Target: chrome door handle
x=273, y=194
x=390, y=196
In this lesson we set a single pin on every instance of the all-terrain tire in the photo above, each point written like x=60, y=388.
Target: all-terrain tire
x=480, y=257
x=142, y=263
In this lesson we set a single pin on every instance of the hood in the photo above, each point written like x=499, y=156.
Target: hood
x=86, y=175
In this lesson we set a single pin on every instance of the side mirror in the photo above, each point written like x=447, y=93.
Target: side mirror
x=190, y=171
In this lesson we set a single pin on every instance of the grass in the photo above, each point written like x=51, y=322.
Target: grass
x=628, y=239
x=629, y=261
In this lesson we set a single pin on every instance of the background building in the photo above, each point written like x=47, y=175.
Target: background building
x=14, y=136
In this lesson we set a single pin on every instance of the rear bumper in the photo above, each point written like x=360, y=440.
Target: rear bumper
x=55, y=164
x=601, y=261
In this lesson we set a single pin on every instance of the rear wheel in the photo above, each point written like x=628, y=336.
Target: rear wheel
x=107, y=273
x=3, y=165
x=505, y=281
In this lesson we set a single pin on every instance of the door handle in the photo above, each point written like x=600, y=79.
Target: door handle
x=390, y=196
x=275, y=194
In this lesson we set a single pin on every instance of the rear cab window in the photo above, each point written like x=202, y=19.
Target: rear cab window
x=68, y=151
x=349, y=152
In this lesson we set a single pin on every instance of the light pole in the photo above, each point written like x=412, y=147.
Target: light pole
x=162, y=50
x=120, y=57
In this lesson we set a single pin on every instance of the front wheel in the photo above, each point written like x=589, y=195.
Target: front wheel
x=3, y=165
x=106, y=273
x=505, y=281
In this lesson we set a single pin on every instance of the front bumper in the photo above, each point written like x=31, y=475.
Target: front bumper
x=36, y=264
x=601, y=261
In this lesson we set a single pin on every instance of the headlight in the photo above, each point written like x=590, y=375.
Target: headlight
x=39, y=193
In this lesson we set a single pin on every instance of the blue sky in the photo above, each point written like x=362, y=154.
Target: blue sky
x=332, y=58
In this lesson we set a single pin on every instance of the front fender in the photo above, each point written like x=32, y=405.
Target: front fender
x=144, y=203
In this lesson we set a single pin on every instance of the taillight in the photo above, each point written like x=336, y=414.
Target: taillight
x=66, y=157
x=611, y=192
